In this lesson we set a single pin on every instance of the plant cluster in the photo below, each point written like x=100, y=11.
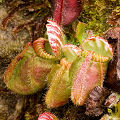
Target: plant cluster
x=71, y=72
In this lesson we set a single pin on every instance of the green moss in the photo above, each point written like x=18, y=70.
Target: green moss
x=96, y=14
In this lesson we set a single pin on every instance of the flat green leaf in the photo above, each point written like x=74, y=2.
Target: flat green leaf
x=79, y=31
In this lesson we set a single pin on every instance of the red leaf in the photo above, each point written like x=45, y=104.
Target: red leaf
x=55, y=37
x=66, y=11
x=47, y=116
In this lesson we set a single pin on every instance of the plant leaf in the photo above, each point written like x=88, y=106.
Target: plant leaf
x=47, y=116
x=79, y=32
x=27, y=72
x=66, y=11
x=55, y=37
x=86, y=72
x=58, y=78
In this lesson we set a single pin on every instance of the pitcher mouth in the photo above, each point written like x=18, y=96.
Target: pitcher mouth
x=95, y=56
x=99, y=46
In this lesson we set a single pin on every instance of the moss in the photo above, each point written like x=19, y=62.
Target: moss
x=96, y=14
x=11, y=44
